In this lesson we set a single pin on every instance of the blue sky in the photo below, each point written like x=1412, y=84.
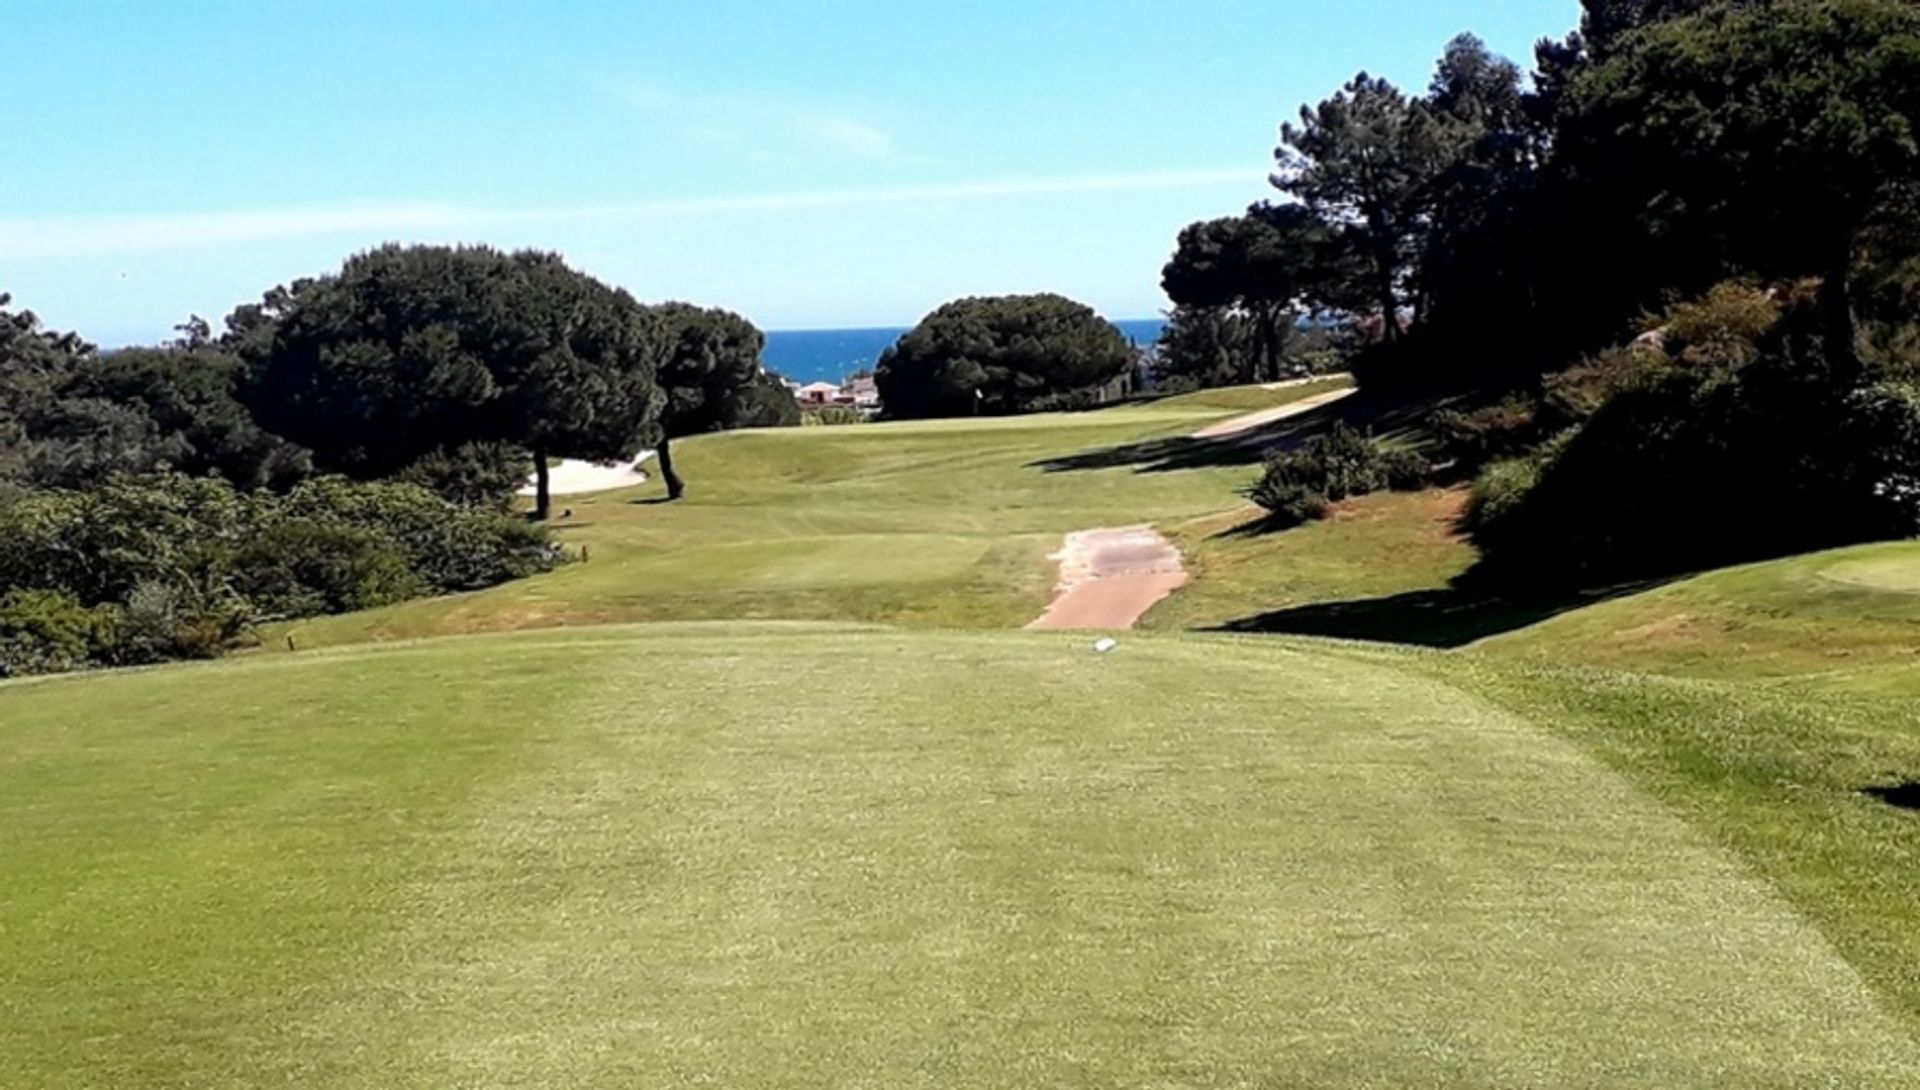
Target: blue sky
x=807, y=164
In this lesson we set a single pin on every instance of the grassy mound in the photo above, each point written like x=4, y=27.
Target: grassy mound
x=781, y=855
x=1844, y=609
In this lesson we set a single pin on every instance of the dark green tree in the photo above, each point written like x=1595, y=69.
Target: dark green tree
x=409, y=351
x=70, y=416
x=1766, y=139
x=33, y=363
x=1266, y=267
x=1368, y=159
x=187, y=395
x=713, y=380
x=1479, y=266
x=1003, y=354
x=1201, y=346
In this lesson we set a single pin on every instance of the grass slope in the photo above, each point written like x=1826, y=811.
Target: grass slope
x=944, y=523
x=1845, y=609
x=1377, y=546
x=807, y=856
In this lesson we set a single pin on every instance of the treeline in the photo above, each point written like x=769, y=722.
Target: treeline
x=1677, y=266
x=348, y=441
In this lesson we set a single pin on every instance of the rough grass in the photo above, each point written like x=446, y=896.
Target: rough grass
x=817, y=856
x=1375, y=546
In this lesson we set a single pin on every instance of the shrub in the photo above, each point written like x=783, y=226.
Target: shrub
x=192, y=617
x=298, y=567
x=48, y=631
x=1722, y=328
x=1472, y=439
x=450, y=548
x=1704, y=466
x=472, y=474
x=1297, y=485
x=185, y=564
x=1577, y=393
x=832, y=416
x=1289, y=502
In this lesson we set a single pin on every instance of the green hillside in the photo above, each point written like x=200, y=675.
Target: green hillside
x=1838, y=610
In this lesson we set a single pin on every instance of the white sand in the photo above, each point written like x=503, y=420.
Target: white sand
x=570, y=477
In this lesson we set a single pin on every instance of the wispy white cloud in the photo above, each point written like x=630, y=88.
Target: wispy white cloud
x=757, y=126
x=79, y=235
x=63, y=236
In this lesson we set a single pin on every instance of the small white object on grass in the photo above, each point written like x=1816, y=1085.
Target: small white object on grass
x=1105, y=644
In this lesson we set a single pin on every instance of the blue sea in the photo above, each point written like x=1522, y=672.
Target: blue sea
x=829, y=355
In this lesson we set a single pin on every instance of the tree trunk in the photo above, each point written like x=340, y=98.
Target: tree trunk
x=1389, y=303
x=1836, y=316
x=542, y=497
x=676, y=487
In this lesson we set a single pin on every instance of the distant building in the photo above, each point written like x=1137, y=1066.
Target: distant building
x=860, y=393
x=817, y=394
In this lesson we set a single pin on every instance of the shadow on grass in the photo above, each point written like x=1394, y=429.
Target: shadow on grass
x=1384, y=415
x=1443, y=617
x=1901, y=796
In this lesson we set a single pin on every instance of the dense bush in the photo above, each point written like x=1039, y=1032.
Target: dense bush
x=46, y=631
x=169, y=566
x=1298, y=485
x=1472, y=438
x=1761, y=448
x=472, y=474
x=831, y=416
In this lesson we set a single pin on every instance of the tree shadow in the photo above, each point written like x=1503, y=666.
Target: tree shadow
x=1445, y=617
x=1257, y=526
x=1901, y=796
x=1382, y=414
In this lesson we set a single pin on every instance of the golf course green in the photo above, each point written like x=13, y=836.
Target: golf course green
x=829, y=819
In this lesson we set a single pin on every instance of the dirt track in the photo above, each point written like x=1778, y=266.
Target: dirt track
x=1239, y=425
x=1110, y=577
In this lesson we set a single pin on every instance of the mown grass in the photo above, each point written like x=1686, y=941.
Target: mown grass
x=1800, y=777
x=747, y=856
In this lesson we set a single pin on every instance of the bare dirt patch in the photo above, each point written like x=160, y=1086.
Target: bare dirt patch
x=1110, y=577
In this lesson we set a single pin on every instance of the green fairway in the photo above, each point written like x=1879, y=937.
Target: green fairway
x=803, y=855
x=943, y=523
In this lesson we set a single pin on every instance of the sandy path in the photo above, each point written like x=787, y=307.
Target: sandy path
x=570, y=477
x=1110, y=577
x=1237, y=425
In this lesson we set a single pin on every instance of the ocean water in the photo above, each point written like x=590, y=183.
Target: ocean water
x=829, y=355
